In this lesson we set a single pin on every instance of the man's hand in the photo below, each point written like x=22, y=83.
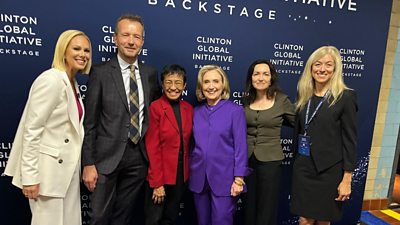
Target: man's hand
x=89, y=177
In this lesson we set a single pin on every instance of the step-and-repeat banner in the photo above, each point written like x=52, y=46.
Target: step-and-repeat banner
x=192, y=33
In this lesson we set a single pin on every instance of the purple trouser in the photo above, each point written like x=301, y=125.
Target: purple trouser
x=212, y=209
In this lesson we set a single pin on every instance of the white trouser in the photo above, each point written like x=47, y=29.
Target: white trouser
x=59, y=211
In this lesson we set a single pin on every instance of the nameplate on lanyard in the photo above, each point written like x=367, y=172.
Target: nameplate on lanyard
x=304, y=145
x=304, y=141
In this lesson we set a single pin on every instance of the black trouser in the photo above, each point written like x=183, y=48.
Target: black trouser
x=167, y=212
x=113, y=199
x=261, y=200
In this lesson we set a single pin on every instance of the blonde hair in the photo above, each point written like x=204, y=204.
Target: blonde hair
x=306, y=85
x=61, y=46
x=225, y=90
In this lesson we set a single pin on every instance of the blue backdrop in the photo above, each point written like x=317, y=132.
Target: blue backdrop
x=230, y=33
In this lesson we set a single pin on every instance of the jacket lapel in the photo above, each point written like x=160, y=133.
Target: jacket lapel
x=71, y=105
x=145, y=84
x=183, y=116
x=119, y=83
x=169, y=113
x=82, y=132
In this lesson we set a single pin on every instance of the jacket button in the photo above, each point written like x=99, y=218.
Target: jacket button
x=66, y=140
x=60, y=161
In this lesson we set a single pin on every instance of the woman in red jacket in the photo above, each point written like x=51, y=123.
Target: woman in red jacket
x=167, y=144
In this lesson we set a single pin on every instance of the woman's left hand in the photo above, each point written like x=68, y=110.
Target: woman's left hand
x=158, y=195
x=236, y=189
x=344, y=188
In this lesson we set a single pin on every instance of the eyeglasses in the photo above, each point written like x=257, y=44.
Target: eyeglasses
x=178, y=83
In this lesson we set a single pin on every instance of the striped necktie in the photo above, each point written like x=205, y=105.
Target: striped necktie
x=134, y=134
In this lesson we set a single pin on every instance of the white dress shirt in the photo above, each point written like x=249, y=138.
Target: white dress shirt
x=125, y=70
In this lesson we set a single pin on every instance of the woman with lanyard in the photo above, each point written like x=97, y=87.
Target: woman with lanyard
x=326, y=141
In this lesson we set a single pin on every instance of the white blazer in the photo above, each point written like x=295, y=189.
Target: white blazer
x=47, y=145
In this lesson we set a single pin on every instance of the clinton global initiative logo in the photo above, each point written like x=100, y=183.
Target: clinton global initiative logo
x=5, y=148
x=288, y=58
x=82, y=91
x=288, y=154
x=213, y=50
x=107, y=47
x=238, y=96
x=18, y=35
x=297, y=14
x=5, y=145
x=353, y=62
x=85, y=207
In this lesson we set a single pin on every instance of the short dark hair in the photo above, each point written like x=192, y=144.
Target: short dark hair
x=173, y=69
x=130, y=17
x=251, y=91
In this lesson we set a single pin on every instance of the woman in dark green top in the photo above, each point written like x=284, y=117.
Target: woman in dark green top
x=266, y=109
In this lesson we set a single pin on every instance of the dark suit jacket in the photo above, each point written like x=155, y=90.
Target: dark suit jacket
x=163, y=141
x=332, y=132
x=107, y=119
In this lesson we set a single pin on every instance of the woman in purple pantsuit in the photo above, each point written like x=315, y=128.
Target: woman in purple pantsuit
x=218, y=161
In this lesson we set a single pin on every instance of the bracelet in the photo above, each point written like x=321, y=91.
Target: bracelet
x=239, y=181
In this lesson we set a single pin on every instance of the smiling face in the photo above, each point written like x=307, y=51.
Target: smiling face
x=322, y=70
x=261, y=78
x=173, y=86
x=129, y=39
x=77, y=54
x=212, y=86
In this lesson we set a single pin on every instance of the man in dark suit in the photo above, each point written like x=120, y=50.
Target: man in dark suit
x=114, y=157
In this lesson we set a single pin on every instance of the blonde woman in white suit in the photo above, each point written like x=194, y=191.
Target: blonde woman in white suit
x=45, y=157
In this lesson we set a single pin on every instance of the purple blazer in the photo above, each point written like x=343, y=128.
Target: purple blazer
x=220, y=149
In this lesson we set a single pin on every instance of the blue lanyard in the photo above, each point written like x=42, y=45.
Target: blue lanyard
x=308, y=121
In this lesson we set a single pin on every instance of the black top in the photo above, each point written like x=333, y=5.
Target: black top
x=332, y=131
x=177, y=112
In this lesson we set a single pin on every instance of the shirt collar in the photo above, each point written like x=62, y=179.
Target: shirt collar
x=124, y=65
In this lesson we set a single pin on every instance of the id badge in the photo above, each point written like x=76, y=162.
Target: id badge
x=304, y=145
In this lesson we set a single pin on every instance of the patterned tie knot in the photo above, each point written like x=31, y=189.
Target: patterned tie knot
x=132, y=68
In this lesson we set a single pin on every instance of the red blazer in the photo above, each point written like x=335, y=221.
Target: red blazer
x=163, y=141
